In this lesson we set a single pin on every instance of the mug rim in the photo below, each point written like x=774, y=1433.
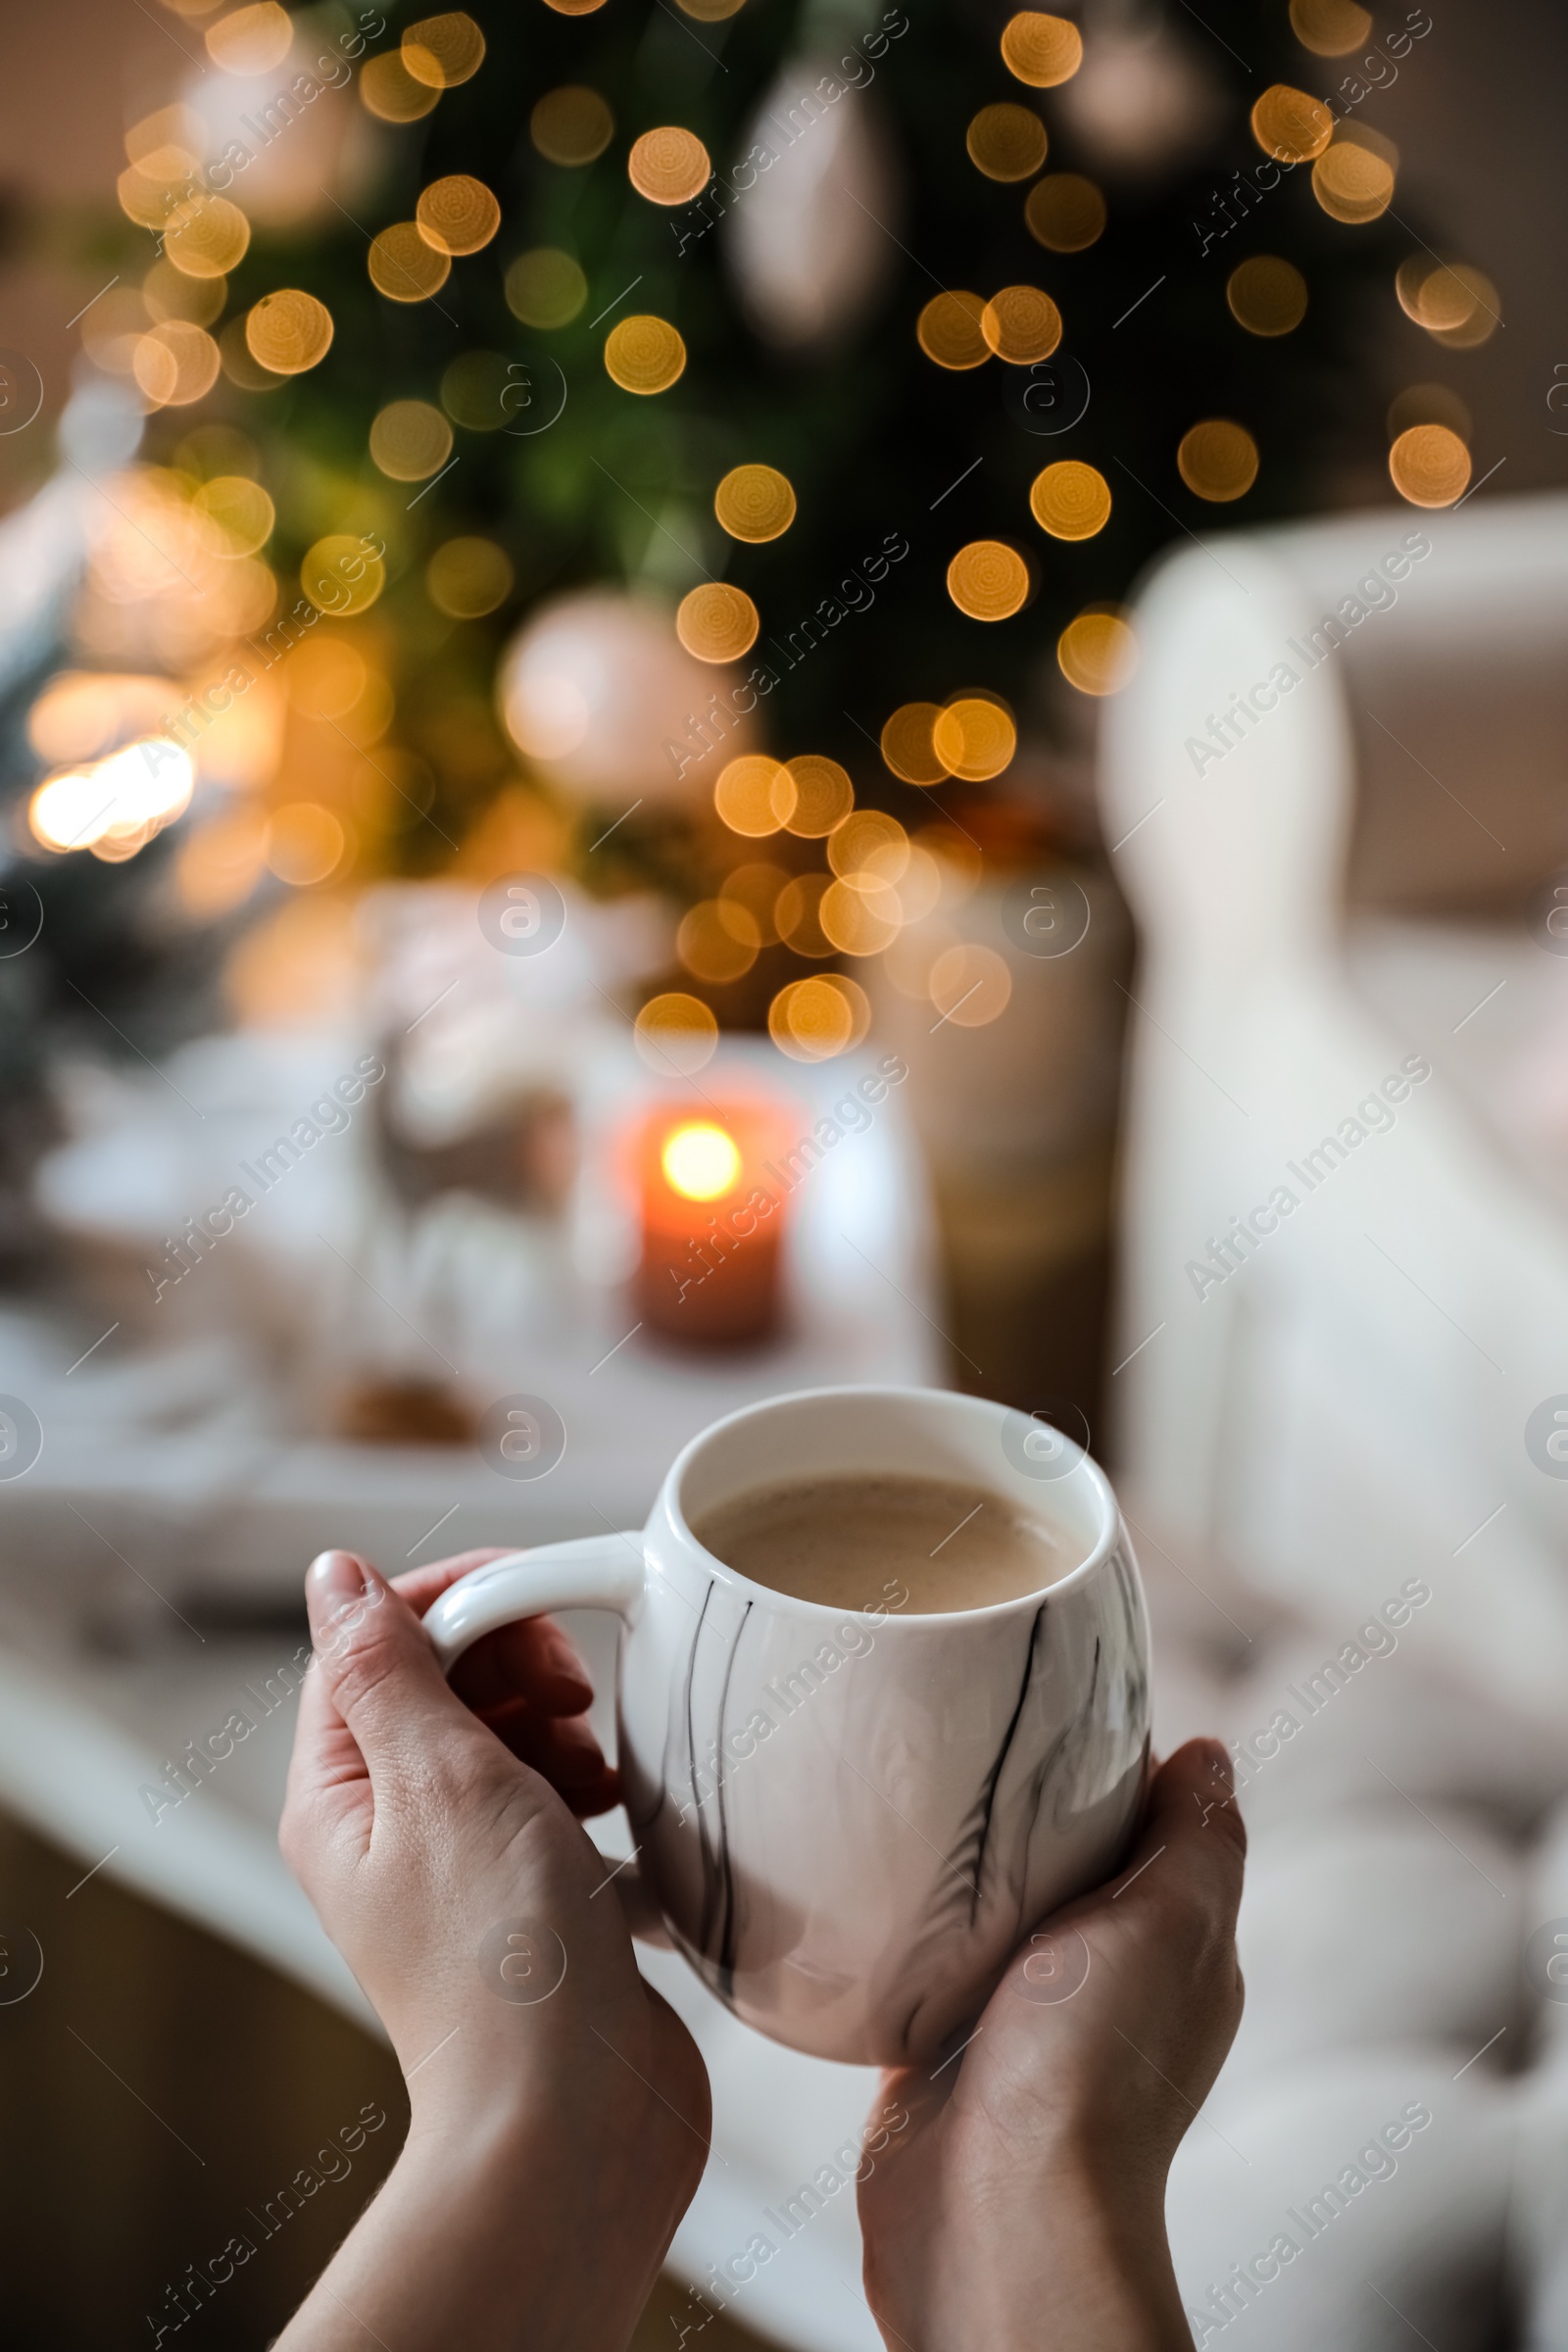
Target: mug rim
x=669, y=1502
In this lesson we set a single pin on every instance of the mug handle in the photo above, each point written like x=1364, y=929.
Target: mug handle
x=591, y=1572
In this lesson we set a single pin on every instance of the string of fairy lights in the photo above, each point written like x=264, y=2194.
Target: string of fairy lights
x=879, y=881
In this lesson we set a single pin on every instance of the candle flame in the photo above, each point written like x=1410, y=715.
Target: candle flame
x=700, y=1161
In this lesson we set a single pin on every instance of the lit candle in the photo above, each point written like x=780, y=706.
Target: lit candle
x=712, y=1223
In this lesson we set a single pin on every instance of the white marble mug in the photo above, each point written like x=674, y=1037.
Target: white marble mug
x=847, y=1820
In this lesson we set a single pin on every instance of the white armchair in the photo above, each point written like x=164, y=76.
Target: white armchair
x=1336, y=901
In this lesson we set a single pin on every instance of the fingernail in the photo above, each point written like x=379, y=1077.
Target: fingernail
x=1219, y=1763
x=333, y=1578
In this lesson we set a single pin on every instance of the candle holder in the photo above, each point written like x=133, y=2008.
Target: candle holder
x=713, y=1221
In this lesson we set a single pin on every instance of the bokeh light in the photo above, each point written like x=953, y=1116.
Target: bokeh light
x=668, y=165
x=1021, y=325
x=869, y=849
x=799, y=916
x=987, y=581
x=206, y=236
x=289, y=331
x=1351, y=180
x=403, y=265
x=969, y=985
x=409, y=440
x=1097, y=653
x=443, y=51
x=1007, y=141
x=467, y=577
x=718, y=941
x=644, y=354
x=251, y=40
x=571, y=125
x=1329, y=28
x=1217, y=459
x=239, y=510
x=860, y=917
x=755, y=503
x=546, y=287
x=1291, y=126
x=1064, y=212
x=908, y=746
x=755, y=888
x=823, y=795
x=717, y=622
x=948, y=332
x=755, y=794
x=1041, y=50
x=457, y=215
x=974, y=738
x=817, y=1018
x=1430, y=466
x=1070, y=499
x=390, y=92
x=676, y=1033
x=1266, y=294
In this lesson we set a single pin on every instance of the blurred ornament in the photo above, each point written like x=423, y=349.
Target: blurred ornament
x=282, y=142
x=607, y=704
x=1143, y=99
x=809, y=241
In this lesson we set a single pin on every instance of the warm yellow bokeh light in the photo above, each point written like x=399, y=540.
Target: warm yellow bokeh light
x=869, y=849
x=812, y=1021
x=1353, y=182
x=969, y=985
x=390, y=92
x=1430, y=466
x=546, y=287
x=571, y=125
x=644, y=354
x=947, y=330
x=908, y=744
x=443, y=51
x=755, y=796
x=823, y=795
x=1329, y=28
x=1291, y=126
x=1021, y=325
x=700, y=1161
x=755, y=503
x=717, y=623
x=1070, y=499
x=1097, y=653
x=409, y=440
x=1040, y=49
x=305, y=843
x=403, y=265
x=457, y=215
x=1217, y=459
x=676, y=1033
x=251, y=40
x=987, y=581
x=1064, y=212
x=1266, y=295
x=974, y=738
x=1007, y=141
x=289, y=331
x=717, y=942
x=668, y=165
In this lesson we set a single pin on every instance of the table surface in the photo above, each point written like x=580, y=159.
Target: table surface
x=150, y=1564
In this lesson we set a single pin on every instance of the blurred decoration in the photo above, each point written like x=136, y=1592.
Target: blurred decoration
x=1144, y=100
x=813, y=239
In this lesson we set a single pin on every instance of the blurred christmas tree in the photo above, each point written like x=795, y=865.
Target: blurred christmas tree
x=858, y=361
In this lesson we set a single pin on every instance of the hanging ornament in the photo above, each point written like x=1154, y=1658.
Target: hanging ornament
x=607, y=704
x=811, y=238
x=1143, y=101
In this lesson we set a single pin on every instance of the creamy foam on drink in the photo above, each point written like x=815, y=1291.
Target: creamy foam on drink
x=841, y=1540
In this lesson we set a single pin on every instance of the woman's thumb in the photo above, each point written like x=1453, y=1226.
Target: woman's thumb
x=376, y=1661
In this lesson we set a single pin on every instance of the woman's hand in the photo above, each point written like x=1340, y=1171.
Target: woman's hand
x=1024, y=2202
x=559, y=2108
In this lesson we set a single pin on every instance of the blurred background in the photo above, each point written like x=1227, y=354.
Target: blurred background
x=956, y=614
